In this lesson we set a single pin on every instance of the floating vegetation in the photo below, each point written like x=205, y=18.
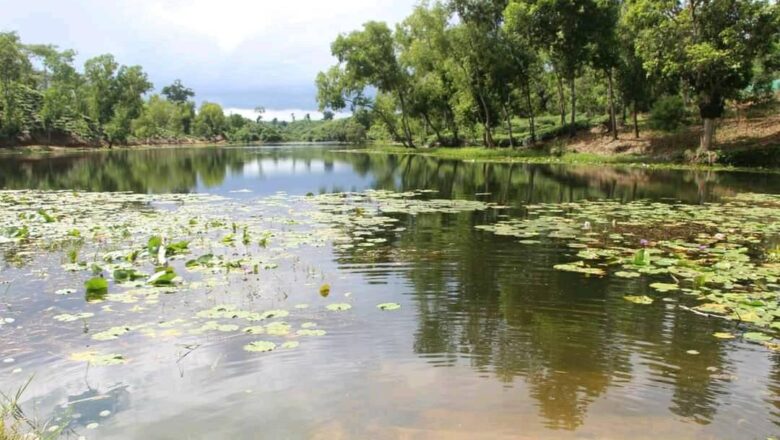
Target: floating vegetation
x=96, y=285
x=278, y=329
x=74, y=317
x=95, y=358
x=639, y=299
x=340, y=307
x=720, y=256
x=325, y=290
x=260, y=346
x=291, y=344
x=311, y=332
x=389, y=306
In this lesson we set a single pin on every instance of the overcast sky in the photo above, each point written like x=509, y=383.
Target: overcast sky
x=239, y=53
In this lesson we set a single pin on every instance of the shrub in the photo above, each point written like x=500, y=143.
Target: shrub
x=668, y=113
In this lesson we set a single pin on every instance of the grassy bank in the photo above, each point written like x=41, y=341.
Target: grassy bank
x=744, y=142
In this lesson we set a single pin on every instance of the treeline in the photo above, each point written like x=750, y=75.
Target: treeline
x=460, y=71
x=45, y=99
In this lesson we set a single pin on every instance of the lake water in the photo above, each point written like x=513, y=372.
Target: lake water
x=490, y=341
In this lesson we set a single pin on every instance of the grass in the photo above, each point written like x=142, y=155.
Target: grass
x=747, y=140
x=532, y=156
x=16, y=425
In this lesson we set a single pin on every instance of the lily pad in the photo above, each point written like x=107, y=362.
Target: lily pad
x=389, y=306
x=639, y=299
x=260, y=346
x=95, y=358
x=338, y=307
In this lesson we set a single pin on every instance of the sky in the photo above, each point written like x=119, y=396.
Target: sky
x=238, y=53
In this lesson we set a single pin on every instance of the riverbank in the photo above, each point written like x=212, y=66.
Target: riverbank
x=744, y=142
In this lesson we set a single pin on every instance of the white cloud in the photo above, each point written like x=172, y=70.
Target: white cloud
x=236, y=52
x=282, y=115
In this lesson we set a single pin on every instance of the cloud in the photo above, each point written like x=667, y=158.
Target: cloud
x=282, y=115
x=239, y=53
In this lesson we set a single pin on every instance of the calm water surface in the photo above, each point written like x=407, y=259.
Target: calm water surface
x=490, y=342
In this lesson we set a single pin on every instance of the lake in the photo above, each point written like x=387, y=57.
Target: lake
x=306, y=292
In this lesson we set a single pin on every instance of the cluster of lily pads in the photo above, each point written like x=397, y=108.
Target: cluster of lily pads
x=720, y=254
x=131, y=250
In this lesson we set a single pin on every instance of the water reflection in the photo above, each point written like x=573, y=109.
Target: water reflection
x=314, y=169
x=481, y=314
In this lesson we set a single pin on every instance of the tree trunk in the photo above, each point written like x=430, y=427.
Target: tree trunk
x=508, y=118
x=636, y=121
x=708, y=135
x=409, y=142
x=531, y=122
x=612, y=115
x=486, y=123
x=573, y=132
x=435, y=130
x=561, y=99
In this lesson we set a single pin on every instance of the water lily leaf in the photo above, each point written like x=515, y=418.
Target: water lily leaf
x=723, y=335
x=260, y=346
x=626, y=274
x=122, y=275
x=291, y=344
x=165, y=277
x=310, y=332
x=75, y=317
x=325, y=290
x=96, y=285
x=389, y=306
x=756, y=337
x=639, y=299
x=95, y=358
x=278, y=329
x=111, y=334
x=580, y=267
x=338, y=307
x=178, y=248
x=665, y=287
x=257, y=330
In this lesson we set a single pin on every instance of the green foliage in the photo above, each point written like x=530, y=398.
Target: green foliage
x=668, y=113
x=210, y=122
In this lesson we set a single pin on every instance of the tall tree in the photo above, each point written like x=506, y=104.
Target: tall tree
x=710, y=45
x=177, y=92
x=568, y=31
x=369, y=58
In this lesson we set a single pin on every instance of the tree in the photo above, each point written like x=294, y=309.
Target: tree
x=524, y=54
x=366, y=58
x=14, y=68
x=568, y=32
x=605, y=55
x=99, y=73
x=710, y=46
x=260, y=110
x=477, y=51
x=210, y=121
x=177, y=92
x=328, y=115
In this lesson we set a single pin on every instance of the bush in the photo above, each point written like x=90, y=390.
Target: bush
x=668, y=113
